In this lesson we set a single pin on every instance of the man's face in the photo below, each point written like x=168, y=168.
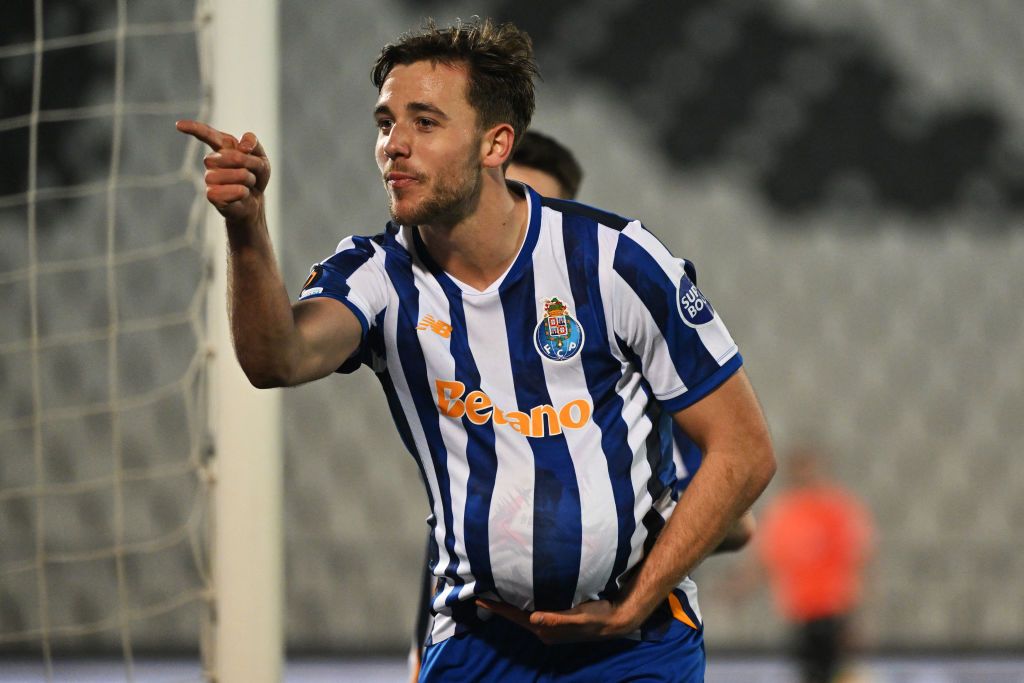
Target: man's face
x=545, y=184
x=428, y=144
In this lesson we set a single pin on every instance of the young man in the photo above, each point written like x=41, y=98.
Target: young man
x=534, y=353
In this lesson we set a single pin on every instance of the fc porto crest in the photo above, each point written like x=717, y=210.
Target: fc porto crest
x=558, y=335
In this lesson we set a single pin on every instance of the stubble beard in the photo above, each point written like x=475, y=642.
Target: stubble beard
x=456, y=195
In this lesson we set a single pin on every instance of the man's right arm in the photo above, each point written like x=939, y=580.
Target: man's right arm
x=277, y=344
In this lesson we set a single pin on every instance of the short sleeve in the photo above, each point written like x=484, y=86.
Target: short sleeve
x=669, y=326
x=355, y=278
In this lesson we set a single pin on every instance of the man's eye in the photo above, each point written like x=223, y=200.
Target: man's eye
x=426, y=123
x=384, y=124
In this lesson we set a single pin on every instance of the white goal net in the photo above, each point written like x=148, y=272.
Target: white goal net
x=104, y=268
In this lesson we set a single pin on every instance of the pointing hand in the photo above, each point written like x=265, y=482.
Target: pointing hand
x=237, y=171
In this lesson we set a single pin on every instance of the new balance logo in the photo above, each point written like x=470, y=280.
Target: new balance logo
x=439, y=327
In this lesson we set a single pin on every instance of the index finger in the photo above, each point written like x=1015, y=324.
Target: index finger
x=555, y=619
x=216, y=139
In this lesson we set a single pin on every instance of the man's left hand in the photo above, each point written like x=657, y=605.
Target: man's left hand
x=595, y=620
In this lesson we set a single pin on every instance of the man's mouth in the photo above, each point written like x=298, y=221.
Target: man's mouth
x=398, y=180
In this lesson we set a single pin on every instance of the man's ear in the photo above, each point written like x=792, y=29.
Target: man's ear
x=496, y=146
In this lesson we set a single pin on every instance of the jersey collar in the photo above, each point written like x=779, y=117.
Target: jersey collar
x=520, y=265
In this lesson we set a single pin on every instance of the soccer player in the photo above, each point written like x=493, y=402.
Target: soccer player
x=535, y=353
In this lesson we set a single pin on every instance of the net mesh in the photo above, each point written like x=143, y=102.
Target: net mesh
x=104, y=473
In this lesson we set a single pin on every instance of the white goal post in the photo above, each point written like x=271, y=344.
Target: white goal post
x=247, y=539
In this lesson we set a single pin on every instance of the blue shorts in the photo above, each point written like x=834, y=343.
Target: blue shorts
x=498, y=650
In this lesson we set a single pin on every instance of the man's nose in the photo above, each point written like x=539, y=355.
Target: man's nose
x=397, y=143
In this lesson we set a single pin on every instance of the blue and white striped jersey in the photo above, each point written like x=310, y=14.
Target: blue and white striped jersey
x=538, y=410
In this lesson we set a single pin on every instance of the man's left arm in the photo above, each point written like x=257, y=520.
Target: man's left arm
x=738, y=462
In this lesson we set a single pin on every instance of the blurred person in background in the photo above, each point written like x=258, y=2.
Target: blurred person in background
x=813, y=541
x=546, y=165
x=551, y=169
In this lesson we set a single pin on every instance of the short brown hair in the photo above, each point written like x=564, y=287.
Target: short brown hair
x=499, y=58
x=547, y=155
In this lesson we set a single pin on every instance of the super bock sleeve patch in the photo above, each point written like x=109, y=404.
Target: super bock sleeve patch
x=694, y=308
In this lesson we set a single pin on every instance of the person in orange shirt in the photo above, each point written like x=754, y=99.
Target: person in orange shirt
x=814, y=540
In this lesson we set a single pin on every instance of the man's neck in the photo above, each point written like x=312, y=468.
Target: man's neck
x=480, y=248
